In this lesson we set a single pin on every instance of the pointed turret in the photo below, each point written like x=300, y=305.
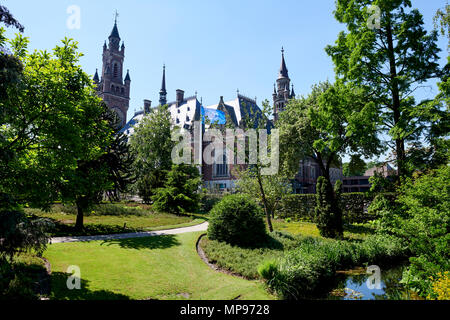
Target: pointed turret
x=127, y=77
x=114, y=38
x=292, y=93
x=163, y=91
x=115, y=32
x=96, y=78
x=283, y=69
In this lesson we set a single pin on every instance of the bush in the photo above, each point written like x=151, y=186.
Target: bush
x=421, y=217
x=208, y=201
x=18, y=233
x=237, y=220
x=180, y=192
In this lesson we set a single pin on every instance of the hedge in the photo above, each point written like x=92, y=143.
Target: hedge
x=301, y=207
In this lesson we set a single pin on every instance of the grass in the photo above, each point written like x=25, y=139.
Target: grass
x=244, y=261
x=114, y=218
x=287, y=236
x=351, y=232
x=163, y=267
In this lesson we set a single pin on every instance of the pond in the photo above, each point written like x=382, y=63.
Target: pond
x=357, y=284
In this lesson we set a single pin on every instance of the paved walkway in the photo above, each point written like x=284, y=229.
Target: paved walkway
x=200, y=227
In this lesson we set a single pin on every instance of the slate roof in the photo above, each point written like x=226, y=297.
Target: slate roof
x=189, y=110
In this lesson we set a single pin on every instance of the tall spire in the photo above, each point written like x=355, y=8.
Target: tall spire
x=292, y=93
x=283, y=70
x=163, y=92
x=115, y=31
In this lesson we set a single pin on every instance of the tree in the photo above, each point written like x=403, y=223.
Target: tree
x=390, y=61
x=152, y=146
x=275, y=188
x=442, y=22
x=253, y=179
x=331, y=121
x=421, y=218
x=110, y=172
x=119, y=160
x=180, y=192
x=49, y=116
x=7, y=18
x=356, y=167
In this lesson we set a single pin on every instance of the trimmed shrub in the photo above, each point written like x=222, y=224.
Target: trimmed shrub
x=237, y=220
x=328, y=212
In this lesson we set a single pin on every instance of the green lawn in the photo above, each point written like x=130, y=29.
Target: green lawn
x=164, y=267
x=351, y=232
x=121, y=219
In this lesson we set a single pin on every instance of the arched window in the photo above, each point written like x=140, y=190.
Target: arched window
x=113, y=89
x=116, y=70
x=122, y=91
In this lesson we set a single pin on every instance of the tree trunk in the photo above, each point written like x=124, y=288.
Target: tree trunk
x=266, y=207
x=79, y=221
x=399, y=142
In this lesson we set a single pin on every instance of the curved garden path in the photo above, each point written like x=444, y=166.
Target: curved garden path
x=199, y=227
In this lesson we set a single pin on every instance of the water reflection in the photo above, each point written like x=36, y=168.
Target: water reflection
x=352, y=285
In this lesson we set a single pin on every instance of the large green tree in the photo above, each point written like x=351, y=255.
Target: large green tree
x=389, y=53
x=331, y=121
x=151, y=145
x=57, y=135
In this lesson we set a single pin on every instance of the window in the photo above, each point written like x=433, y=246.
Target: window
x=122, y=91
x=116, y=70
x=221, y=169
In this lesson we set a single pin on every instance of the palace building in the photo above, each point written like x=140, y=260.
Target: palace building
x=114, y=89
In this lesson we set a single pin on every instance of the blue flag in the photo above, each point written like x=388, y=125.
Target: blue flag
x=214, y=116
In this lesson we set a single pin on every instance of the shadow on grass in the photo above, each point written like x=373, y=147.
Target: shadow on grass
x=156, y=242
x=59, y=290
x=359, y=229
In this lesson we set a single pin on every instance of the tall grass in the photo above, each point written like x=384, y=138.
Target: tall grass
x=307, y=270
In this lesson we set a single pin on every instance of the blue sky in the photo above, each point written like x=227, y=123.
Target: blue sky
x=212, y=47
